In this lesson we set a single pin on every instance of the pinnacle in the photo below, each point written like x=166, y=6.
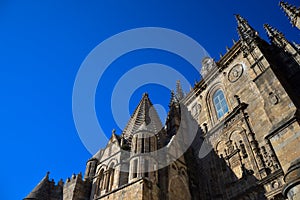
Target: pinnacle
x=173, y=99
x=271, y=31
x=274, y=35
x=290, y=10
x=239, y=18
x=179, y=91
x=245, y=31
x=242, y=22
x=287, y=7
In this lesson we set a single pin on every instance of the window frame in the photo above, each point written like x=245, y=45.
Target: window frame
x=220, y=103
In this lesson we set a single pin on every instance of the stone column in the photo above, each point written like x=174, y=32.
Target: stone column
x=291, y=188
x=106, y=181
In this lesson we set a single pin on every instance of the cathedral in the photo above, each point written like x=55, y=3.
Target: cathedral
x=235, y=135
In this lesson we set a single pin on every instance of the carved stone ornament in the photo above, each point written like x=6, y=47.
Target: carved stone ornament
x=196, y=109
x=274, y=99
x=207, y=65
x=235, y=73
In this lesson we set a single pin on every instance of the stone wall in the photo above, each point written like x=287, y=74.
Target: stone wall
x=76, y=189
x=138, y=190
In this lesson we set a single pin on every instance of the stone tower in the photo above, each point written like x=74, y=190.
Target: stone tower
x=247, y=105
x=126, y=161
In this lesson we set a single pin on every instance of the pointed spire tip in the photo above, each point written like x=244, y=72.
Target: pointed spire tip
x=145, y=94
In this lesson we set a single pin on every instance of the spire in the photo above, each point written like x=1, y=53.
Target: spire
x=173, y=118
x=41, y=189
x=179, y=91
x=144, y=115
x=274, y=35
x=291, y=11
x=245, y=31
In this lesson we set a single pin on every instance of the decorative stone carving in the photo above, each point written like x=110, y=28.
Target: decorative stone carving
x=207, y=65
x=196, y=109
x=275, y=184
x=243, y=149
x=269, y=158
x=274, y=98
x=235, y=73
x=230, y=147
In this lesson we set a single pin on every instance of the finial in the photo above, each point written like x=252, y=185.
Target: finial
x=233, y=41
x=195, y=82
x=113, y=131
x=145, y=94
x=47, y=174
x=297, y=46
x=237, y=17
x=240, y=20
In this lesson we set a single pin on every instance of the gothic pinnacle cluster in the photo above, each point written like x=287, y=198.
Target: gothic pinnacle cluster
x=245, y=31
x=292, y=12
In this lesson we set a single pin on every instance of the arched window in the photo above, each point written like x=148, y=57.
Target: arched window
x=99, y=185
x=134, y=169
x=146, y=164
x=110, y=181
x=220, y=103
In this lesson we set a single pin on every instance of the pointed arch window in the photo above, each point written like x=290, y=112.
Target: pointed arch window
x=220, y=103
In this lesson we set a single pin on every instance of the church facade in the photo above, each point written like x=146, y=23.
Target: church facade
x=235, y=135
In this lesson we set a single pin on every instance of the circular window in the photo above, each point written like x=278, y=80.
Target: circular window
x=235, y=73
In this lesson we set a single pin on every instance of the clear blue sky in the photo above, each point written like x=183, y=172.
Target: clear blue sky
x=42, y=45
